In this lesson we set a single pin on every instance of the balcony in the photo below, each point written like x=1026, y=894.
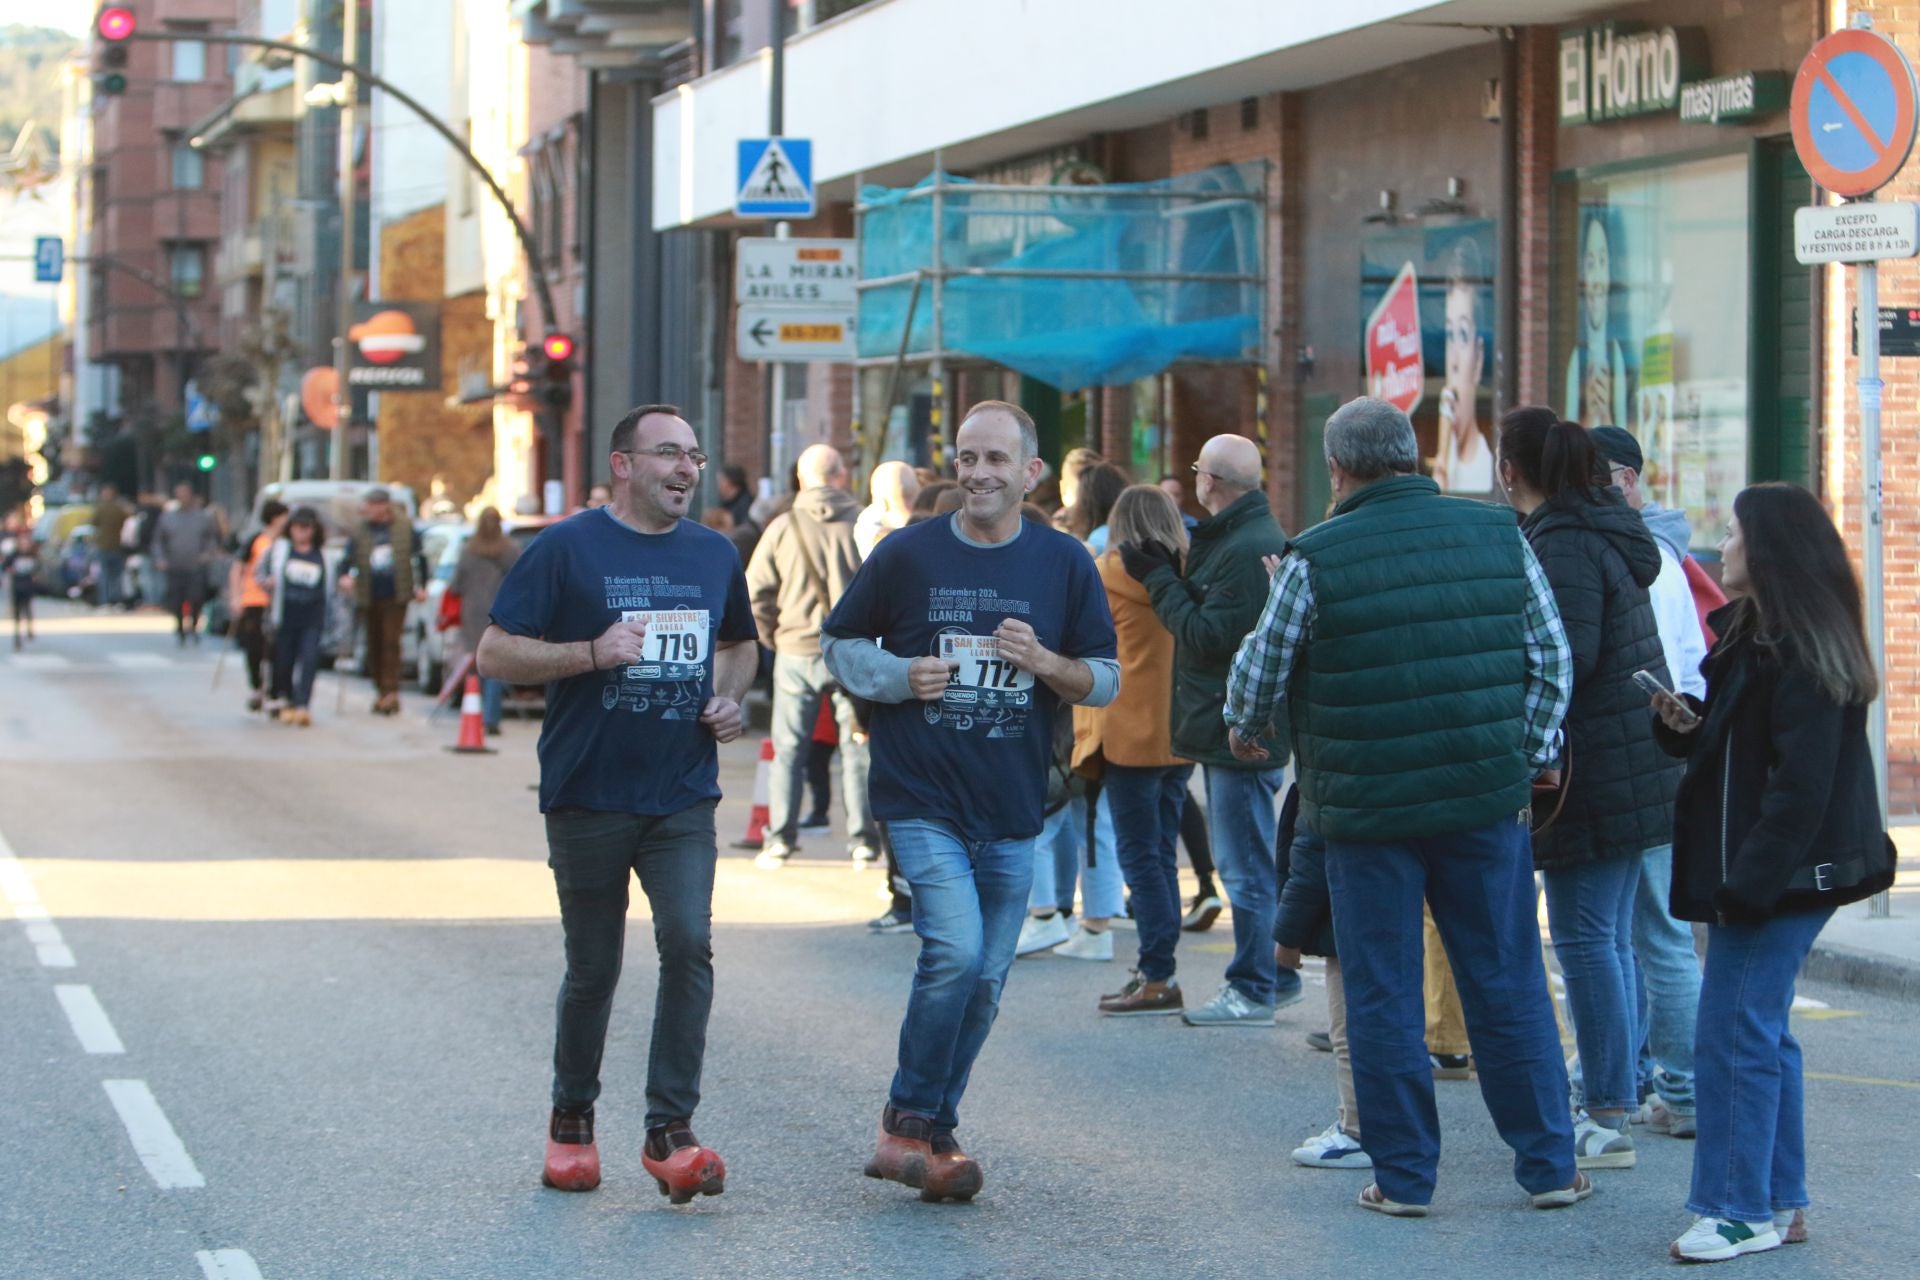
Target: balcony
x=606, y=33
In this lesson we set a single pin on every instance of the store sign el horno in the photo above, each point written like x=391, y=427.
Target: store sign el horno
x=1865, y=231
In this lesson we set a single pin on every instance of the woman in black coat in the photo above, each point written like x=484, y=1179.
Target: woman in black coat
x=1778, y=823
x=1599, y=558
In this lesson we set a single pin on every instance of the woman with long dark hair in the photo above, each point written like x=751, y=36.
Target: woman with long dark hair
x=482, y=567
x=297, y=576
x=1100, y=487
x=1777, y=824
x=1618, y=801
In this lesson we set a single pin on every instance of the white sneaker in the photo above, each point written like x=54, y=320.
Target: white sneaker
x=1601, y=1146
x=864, y=856
x=1717, y=1239
x=1041, y=932
x=1334, y=1149
x=773, y=857
x=1087, y=944
x=1660, y=1118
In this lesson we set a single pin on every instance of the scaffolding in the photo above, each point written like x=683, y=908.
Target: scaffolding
x=1075, y=286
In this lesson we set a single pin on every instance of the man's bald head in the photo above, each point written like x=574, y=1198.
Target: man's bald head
x=820, y=465
x=1229, y=469
x=894, y=486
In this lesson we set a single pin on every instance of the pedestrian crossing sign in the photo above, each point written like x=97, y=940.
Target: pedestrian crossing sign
x=776, y=178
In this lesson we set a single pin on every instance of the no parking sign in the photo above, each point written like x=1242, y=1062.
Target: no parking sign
x=1853, y=111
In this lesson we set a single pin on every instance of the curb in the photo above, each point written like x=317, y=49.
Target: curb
x=1862, y=970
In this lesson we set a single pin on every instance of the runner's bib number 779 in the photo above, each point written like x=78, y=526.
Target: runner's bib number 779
x=674, y=636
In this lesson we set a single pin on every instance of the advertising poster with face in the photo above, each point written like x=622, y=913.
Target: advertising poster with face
x=1453, y=263
x=1600, y=364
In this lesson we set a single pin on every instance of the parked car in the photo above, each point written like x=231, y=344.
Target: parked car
x=436, y=650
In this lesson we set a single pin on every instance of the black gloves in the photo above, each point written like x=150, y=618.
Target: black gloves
x=1141, y=560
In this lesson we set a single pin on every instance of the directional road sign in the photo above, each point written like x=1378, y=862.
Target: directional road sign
x=794, y=333
x=1853, y=111
x=1863, y=231
x=811, y=273
x=49, y=259
x=775, y=178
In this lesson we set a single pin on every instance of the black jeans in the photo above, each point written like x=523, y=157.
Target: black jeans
x=592, y=854
x=250, y=630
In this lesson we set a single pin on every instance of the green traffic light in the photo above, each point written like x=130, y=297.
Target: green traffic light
x=114, y=83
x=208, y=462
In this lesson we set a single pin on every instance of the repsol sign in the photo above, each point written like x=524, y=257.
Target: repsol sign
x=1613, y=71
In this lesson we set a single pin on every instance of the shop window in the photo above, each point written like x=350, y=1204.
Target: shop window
x=1652, y=324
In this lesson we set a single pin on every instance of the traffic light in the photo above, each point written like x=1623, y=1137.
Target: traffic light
x=206, y=462
x=556, y=381
x=114, y=26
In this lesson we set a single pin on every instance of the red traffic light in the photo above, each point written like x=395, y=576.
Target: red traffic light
x=558, y=347
x=115, y=23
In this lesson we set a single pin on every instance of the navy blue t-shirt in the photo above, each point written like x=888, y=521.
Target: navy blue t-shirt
x=629, y=739
x=978, y=757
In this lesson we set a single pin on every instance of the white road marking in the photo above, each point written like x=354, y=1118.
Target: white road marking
x=227, y=1264
x=90, y=1023
x=139, y=661
x=41, y=661
x=30, y=911
x=38, y=933
x=1808, y=1002
x=154, y=1140
x=56, y=955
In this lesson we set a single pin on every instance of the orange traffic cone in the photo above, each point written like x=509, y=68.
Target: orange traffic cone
x=473, y=739
x=762, y=780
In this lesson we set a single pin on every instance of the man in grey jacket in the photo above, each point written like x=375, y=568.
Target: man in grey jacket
x=184, y=544
x=799, y=570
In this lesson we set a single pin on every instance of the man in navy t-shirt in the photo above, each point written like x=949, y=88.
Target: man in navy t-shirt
x=968, y=632
x=637, y=621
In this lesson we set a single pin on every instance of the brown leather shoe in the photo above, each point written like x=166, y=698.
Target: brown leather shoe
x=904, y=1149
x=951, y=1174
x=1140, y=998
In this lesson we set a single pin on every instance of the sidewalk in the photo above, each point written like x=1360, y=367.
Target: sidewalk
x=1877, y=954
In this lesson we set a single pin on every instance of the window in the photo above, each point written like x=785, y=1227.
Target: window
x=189, y=61
x=187, y=268
x=1650, y=324
x=189, y=168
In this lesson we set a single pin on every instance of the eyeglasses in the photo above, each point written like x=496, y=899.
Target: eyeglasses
x=1195, y=468
x=671, y=455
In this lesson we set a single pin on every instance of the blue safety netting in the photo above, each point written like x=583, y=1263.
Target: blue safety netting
x=1071, y=332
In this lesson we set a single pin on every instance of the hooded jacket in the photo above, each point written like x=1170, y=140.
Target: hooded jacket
x=1600, y=559
x=1779, y=811
x=1674, y=531
x=801, y=567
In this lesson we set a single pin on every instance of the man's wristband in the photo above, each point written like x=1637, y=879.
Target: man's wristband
x=592, y=660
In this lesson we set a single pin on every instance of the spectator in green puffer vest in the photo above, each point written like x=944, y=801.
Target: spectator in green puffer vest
x=1415, y=650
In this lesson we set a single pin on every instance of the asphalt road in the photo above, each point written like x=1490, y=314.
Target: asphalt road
x=328, y=959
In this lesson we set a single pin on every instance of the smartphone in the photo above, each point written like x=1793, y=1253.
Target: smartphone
x=1656, y=687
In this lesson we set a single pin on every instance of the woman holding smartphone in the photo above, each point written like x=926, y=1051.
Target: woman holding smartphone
x=1777, y=823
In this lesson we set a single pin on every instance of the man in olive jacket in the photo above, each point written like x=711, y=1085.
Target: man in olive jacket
x=1209, y=612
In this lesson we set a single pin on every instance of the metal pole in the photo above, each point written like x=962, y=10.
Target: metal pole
x=778, y=446
x=776, y=375
x=938, y=372
x=349, y=95
x=1869, y=387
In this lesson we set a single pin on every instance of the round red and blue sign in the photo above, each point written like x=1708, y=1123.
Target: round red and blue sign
x=1854, y=111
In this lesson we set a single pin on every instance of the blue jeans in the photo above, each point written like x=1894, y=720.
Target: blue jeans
x=1064, y=856
x=1146, y=804
x=1590, y=911
x=798, y=685
x=1480, y=884
x=1669, y=985
x=296, y=659
x=492, y=692
x=1751, y=1155
x=594, y=855
x=1240, y=810
x=113, y=567
x=969, y=899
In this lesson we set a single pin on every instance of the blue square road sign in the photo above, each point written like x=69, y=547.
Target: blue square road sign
x=775, y=178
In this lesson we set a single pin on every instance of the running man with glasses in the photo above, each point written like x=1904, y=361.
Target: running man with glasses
x=637, y=621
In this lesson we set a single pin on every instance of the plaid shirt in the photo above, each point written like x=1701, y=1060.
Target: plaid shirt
x=1264, y=664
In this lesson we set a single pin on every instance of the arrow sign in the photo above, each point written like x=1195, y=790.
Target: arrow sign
x=1853, y=111
x=782, y=333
